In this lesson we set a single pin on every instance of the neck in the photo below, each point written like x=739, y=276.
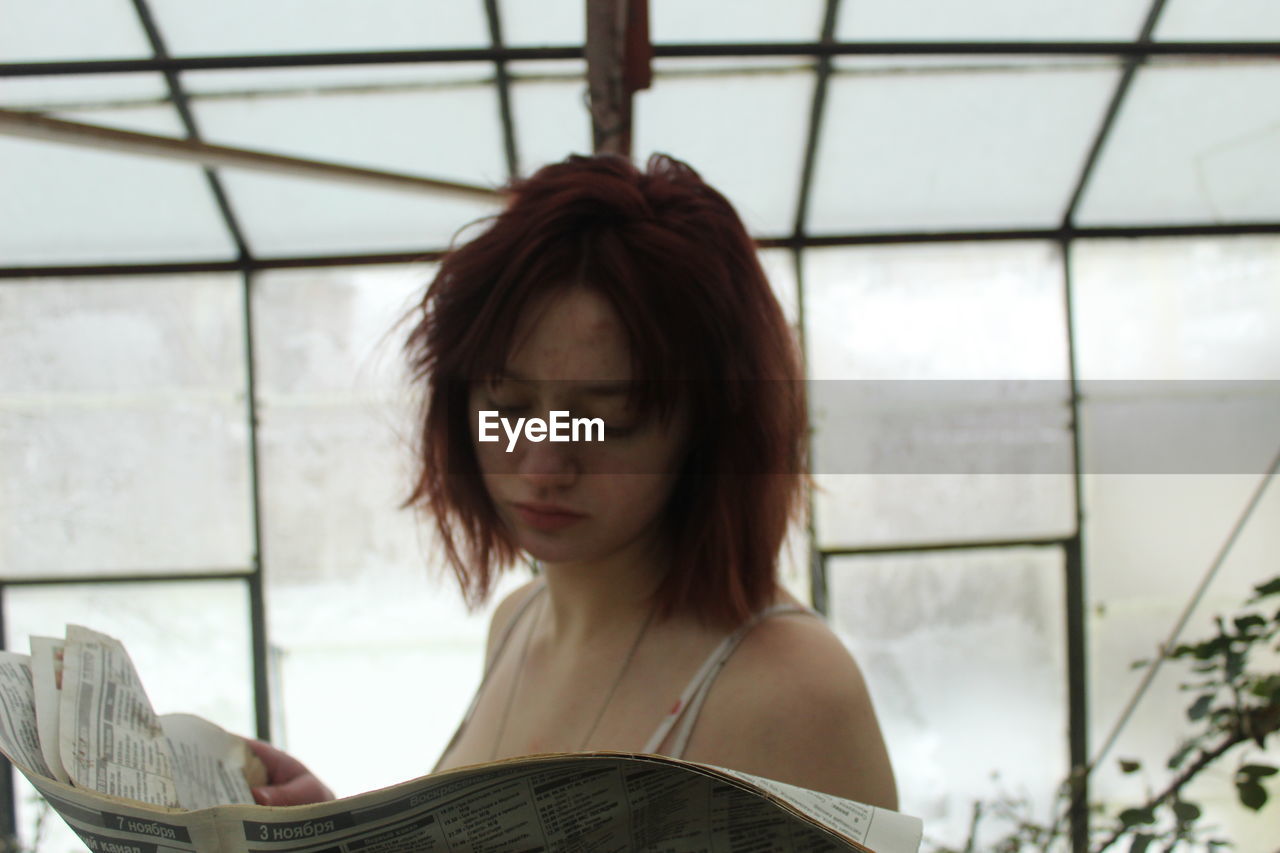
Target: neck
x=593, y=599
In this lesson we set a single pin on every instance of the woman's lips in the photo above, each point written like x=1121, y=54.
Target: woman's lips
x=546, y=517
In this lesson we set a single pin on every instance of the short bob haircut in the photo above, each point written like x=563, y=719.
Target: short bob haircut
x=704, y=328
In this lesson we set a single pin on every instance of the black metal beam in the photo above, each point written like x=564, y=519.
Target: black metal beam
x=202, y=267
x=1075, y=601
x=1074, y=578
x=809, y=242
x=1262, y=49
x=8, y=804
x=818, y=594
x=256, y=581
x=167, y=576
x=183, y=105
x=1131, y=66
x=1215, y=229
x=964, y=545
x=822, y=73
x=503, y=81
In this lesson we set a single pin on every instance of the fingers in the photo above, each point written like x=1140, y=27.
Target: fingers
x=302, y=790
x=290, y=783
x=281, y=766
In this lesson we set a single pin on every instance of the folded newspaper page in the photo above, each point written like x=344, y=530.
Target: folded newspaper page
x=581, y=802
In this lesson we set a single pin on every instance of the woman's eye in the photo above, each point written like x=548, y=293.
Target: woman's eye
x=621, y=427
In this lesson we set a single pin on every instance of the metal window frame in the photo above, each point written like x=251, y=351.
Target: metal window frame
x=1133, y=53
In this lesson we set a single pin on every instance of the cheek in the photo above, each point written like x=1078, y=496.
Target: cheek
x=641, y=496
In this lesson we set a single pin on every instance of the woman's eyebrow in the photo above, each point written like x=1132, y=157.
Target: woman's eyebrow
x=619, y=388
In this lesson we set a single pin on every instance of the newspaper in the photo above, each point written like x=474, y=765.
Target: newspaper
x=581, y=802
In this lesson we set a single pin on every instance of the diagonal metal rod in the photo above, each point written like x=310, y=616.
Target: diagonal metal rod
x=1176, y=631
x=817, y=110
x=503, y=81
x=183, y=105
x=1121, y=92
x=34, y=126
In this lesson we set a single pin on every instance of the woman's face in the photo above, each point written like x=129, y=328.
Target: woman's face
x=574, y=501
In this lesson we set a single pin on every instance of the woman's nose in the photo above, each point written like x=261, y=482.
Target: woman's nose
x=547, y=464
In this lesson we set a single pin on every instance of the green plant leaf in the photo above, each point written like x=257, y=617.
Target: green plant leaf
x=1128, y=765
x=1256, y=771
x=1267, y=688
x=1252, y=795
x=1181, y=755
x=1271, y=587
x=1200, y=707
x=1248, y=621
x=1130, y=818
x=1141, y=842
x=1209, y=648
x=1185, y=812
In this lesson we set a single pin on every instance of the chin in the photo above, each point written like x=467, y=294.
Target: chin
x=546, y=549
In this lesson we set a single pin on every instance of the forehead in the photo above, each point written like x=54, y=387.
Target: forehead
x=573, y=333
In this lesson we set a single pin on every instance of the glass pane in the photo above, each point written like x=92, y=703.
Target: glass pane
x=855, y=510
x=293, y=216
x=190, y=642
x=995, y=20
x=964, y=654
x=1202, y=309
x=1215, y=161
x=901, y=460
x=1179, y=319
x=45, y=32
x=1150, y=543
x=347, y=119
x=122, y=426
x=1219, y=20
x=549, y=108
x=947, y=311
x=408, y=658
x=936, y=146
x=548, y=22
x=779, y=265
x=66, y=204
x=1182, y=338
x=305, y=26
x=755, y=164
x=336, y=418
x=719, y=21
x=241, y=84
x=67, y=93
x=335, y=331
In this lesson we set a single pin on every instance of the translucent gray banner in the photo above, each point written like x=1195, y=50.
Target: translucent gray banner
x=1025, y=427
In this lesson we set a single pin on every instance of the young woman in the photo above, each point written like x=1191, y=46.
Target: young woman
x=632, y=300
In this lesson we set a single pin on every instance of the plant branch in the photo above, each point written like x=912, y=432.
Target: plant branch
x=1254, y=725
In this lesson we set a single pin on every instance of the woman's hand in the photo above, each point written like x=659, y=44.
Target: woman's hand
x=289, y=782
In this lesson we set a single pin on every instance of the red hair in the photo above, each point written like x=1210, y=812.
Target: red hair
x=675, y=261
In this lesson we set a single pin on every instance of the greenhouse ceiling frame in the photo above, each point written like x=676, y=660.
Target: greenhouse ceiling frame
x=1133, y=55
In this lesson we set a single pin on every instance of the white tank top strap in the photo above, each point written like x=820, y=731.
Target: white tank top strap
x=684, y=713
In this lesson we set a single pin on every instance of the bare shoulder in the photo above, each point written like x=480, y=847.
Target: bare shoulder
x=792, y=705
x=503, y=615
